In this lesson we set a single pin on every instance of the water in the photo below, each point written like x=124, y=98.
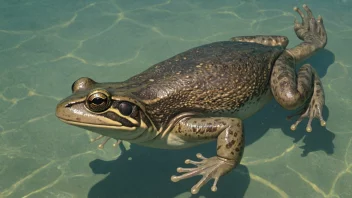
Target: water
x=46, y=45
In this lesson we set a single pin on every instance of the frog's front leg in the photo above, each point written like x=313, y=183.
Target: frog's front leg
x=306, y=90
x=230, y=146
x=263, y=39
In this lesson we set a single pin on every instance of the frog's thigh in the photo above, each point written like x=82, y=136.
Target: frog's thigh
x=264, y=40
x=227, y=131
x=288, y=92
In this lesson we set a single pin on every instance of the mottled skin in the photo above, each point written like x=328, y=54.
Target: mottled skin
x=203, y=94
x=210, y=79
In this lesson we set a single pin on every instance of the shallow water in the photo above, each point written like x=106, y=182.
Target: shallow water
x=46, y=45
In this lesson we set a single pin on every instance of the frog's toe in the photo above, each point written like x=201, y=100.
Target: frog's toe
x=310, y=28
x=210, y=168
x=190, y=172
x=313, y=111
x=101, y=145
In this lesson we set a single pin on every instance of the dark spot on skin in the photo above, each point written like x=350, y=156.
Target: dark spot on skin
x=230, y=144
x=306, y=78
x=237, y=149
x=210, y=128
x=179, y=128
x=224, y=123
x=283, y=85
x=218, y=147
x=232, y=153
x=231, y=132
x=238, y=125
x=235, y=134
x=203, y=120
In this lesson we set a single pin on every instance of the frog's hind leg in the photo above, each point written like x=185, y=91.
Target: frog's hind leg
x=307, y=92
x=304, y=90
x=264, y=40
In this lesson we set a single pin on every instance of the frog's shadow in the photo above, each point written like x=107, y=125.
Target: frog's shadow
x=148, y=173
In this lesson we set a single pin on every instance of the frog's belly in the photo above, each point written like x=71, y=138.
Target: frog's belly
x=172, y=141
x=251, y=106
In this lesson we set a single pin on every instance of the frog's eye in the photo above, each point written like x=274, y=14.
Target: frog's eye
x=98, y=102
x=125, y=108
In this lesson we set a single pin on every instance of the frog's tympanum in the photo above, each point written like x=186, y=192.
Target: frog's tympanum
x=204, y=94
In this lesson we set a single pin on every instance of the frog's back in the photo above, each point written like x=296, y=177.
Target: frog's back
x=225, y=55
x=216, y=77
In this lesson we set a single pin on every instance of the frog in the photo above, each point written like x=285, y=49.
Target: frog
x=204, y=94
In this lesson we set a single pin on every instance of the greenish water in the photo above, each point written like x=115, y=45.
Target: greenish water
x=46, y=45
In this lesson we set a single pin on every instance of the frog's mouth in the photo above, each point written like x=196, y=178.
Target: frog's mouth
x=132, y=134
x=119, y=126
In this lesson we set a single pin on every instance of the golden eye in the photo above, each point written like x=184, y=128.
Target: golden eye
x=98, y=102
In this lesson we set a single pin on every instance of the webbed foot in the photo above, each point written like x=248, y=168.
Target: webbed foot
x=312, y=111
x=210, y=168
x=310, y=29
x=313, y=108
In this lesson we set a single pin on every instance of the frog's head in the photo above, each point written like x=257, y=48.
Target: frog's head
x=104, y=108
